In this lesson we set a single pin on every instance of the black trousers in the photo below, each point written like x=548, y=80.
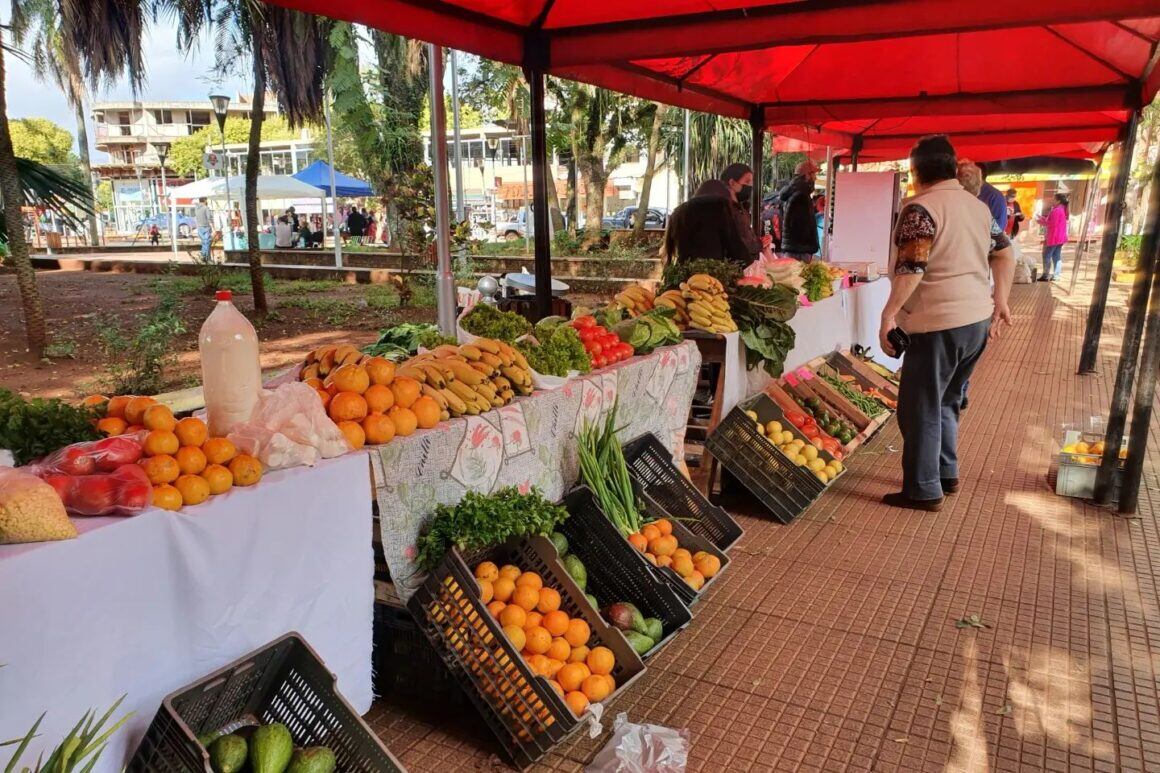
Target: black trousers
x=935, y=370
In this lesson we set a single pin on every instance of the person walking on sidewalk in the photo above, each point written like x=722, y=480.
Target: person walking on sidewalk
x=1055, y=237
x=944, y=242
x=204, y=222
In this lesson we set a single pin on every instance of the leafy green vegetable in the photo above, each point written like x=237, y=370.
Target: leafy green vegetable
x=33, y=428
x=864, y=403
x=778, y=303
x=650, y=330
x=559, y=353
x=603, y=469
x=766, y=344
x=403, y=341
x=817, y=282
x=486, y=321
x=723, y=271
x=482, y=520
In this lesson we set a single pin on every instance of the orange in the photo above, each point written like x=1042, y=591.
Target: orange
x=696, y=580
x=531, y=579
x=601, y=660
x=194, y=489
x=664, y=526
x=578, y=632
x=554, y=666
x=487, y=570
x=135, y=409
x=511, y=572
x=652, y=559
x=427, y=412
x=526, y=596
x=708, y=565
x=541, y=665
x=314, y=383
x=324, y=396
x=166, y=497
x=556, y=686
x=514, y=633
x=355, y=434
x=219, y=478
x=683, y=565
x=513, y=615
x=246, y=470
x=549, y=600
x=572, y=675
x=191, y=432
x=159, y=417
x=496, y=607
x=539, y=640
x=503, y=588
x=596, y=688
x=577, y=702
x=405, y=421
x=555, y=621
x=350, y=378
x=579, y=655
x=486, y=592
x=559, y=649
x=679, y=552
x=406, y=391
x=116, y=406
x=330, y=389
x=534, y=619
x=92, y=401
x=191, y=460
x=160, y=441
x=662, y=546
x=638, y=541
x=218, y=450
x=380, y=370
x=111, y=425
x=379, y=398
x=661, y=560
x=161, y=469
x=650, y=532
x=347, y=406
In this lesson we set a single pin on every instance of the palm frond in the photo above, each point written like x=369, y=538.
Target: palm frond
x=53, y=188
x=106, y=35
x=297, y=52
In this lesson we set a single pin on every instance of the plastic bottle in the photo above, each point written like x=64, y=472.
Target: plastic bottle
x=231, y=375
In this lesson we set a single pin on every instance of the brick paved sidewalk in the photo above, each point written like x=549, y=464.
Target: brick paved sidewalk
x=831, y=643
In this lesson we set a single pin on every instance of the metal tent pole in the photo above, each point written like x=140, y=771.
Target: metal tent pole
x=333, y=195
x=854, y=152
x=1081, y=245
x=686, y=172
x=757, y=162
x=1119, y=187
x=540, y=181
x=457, y=157
x=1130, y=350
x=444, y=280
x=831, y=182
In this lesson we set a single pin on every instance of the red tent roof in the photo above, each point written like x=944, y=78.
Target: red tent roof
x=834, y=66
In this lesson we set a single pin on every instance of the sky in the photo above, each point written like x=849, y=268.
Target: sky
x=169, y=75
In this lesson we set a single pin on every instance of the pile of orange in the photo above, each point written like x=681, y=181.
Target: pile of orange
x=371, y=405
x=185, y=465
x=553, y=644
x=656, y=541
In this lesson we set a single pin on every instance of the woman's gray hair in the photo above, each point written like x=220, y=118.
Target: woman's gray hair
x=970, y=177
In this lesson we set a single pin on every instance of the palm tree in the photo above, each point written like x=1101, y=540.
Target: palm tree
x=655, y=123
x=289, y=52
x=53, y=61
x=105, y=36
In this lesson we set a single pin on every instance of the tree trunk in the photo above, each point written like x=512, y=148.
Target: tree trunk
x=13, y=196
x=86, y=168
x=650, y=169
x=595, y=178
x=253, y=168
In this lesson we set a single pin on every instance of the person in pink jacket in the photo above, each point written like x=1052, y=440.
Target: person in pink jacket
x=1054, y=238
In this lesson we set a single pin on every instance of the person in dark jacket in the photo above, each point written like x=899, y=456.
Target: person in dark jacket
x=738, y=179
x=799, y=230
x=704, y=228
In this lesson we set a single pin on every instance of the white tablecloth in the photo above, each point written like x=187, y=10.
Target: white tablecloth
x=143, y=606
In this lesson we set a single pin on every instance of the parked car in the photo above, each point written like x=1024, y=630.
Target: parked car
x=516, y=228
x=654, y=221
x=186, y=225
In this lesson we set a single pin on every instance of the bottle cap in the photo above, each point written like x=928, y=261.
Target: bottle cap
x=224, y=295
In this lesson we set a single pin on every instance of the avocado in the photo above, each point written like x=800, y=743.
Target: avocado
x=560, y=542
x=653, y=629
x=228, y=754
x=638, y=623
x=312, y=759
x=592, y=600
x=271, y=748
x=575, y=569
x=639, y=641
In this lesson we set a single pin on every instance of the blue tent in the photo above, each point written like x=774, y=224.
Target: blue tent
x=318, y=175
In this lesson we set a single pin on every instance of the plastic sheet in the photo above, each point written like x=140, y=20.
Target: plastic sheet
x=98, y=477
x=637, y=748
x=289, y=428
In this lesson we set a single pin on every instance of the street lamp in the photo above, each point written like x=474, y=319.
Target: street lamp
x=162, y=149
x=221, y=103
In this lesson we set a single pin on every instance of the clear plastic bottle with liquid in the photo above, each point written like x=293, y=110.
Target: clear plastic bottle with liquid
x=231, y=375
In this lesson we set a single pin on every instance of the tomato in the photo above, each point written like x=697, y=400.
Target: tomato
x=93, y=494
x=63, y=485
x=796, y=419
x=628, y=350
x=135, y=496
x=131, y=473
x=595, y=348
x=586, y=321
x=76, y=461
x=112, y=453
x=587, y=334
x=612, y=339
x=599, y=361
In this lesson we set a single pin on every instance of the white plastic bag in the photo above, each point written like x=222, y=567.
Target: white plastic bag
x=637, y=748
x=289, y=428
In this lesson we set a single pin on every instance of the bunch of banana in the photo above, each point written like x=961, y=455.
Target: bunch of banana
x=470, y=379
x=673, y=299
x=707, y=304
x=320, y=362
x=636, y=300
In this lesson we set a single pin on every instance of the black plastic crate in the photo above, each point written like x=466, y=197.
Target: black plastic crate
x=652, y=465
x=406, y=666
x=689, y=541
x=526, y=715
x=616, y=571
x=286, y=682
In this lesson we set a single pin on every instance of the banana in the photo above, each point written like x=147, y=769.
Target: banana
x=702, y=322
x=508, y=354
x=470, y=352
x=517, y=376
x=508, y=395
x=435, y=395
x=492, y=359
x=486, y=389
x=465, y=392
x=433, y=375
x=501, y=382
x=464, y=372
x=518, y=359
x=445, y=350
x=455, y=403
x=326, y=363
x=487, y=345
x=498, y=402
x=310, y=371
x=352, y=357
x=443, y=366
x=483, y=368
x=626, y=302
x=412, y=371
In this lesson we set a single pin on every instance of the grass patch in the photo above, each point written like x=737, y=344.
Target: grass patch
x=301, y=286
x=333, y=310
x=383, y=297
x=64, y=349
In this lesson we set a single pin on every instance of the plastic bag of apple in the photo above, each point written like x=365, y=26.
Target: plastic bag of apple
x=150, y=458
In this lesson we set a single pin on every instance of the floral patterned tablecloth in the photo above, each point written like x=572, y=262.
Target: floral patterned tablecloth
x=530, y=442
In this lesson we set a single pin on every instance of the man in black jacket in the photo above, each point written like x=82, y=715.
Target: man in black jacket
x=704, y=227
x=799, y=234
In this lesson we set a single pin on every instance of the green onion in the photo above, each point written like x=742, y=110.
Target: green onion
x=604, y=470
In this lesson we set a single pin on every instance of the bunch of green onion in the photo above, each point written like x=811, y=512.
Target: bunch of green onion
x=603, y=469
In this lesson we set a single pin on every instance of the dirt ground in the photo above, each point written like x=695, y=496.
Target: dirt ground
x=80, y=305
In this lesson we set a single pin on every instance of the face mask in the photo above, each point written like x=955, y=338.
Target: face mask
x=744, y=194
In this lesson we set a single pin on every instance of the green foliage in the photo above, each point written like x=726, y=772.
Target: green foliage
x=483, y=520
x=556, y=354
x=33, y=428
x=816, y=280
x=41, y=140
x=469, y=117
x=105, y=196
x=766, y=343
x=79, y=750
x=58, y=188
x=402, y=341
x=486, y=321
x=334, y=311
x=139, y=356
x=187, y=153
x=383, y=297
